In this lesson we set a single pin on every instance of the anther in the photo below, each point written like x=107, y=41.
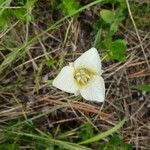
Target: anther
x=82, y=76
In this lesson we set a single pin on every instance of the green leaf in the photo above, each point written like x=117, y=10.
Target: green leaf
x=22, y=15
x=107, y=15
x=119, y=17
x=86, y=131
x=144, y=87
x=50, y=62
x=115, y=140
x=105, y=134
x=4, y=18
x=48, y=82
x=3, y=21
x=97, y=40
x=30, y=3
x=115, y=143
x=117, y=50
x=54, y=5
x=123, y=4
x=2, y=2
x=69, y=7
x=103, y=146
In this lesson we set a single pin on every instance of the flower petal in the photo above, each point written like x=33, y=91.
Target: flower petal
x=65, y=81
x=90, y=59
x=94, y=91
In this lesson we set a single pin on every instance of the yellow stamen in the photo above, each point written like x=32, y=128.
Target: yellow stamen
x=83, y=76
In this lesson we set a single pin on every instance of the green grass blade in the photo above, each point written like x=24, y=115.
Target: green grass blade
x=105, y=134
x=144, y=87
x=3, y=5
x=63, y=144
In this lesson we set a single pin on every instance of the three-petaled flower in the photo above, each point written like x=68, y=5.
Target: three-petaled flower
x=83, y=76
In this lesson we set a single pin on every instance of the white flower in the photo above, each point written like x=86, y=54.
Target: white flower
x=83, y=76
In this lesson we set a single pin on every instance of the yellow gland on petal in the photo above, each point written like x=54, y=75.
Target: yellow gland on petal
x=83, y=76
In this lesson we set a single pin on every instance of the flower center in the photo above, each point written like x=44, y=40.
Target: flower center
x=82, y=76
